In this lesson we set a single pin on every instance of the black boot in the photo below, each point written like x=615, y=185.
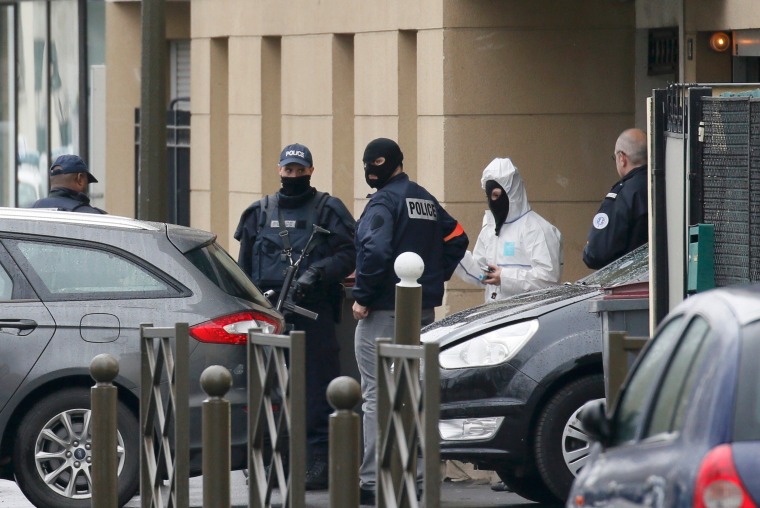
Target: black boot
x=366, y=496
x=318, y=473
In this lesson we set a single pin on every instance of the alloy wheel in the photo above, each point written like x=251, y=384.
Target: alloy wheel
x=63, y=454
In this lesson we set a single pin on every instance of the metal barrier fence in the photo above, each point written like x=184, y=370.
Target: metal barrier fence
x=408, y=413
x=276, y=417
x=164, y=411
x=277, y=412
x=398, y=380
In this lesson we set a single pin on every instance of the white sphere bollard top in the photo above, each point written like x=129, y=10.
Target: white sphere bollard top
x=409, y=267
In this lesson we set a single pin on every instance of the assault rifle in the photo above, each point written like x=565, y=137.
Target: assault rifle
x=285, y=300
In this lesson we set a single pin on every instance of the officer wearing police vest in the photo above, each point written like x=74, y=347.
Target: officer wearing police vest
x=273, y=233
x=400, y=217
x=69, y=179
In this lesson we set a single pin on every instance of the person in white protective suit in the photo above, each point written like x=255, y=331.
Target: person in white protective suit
x=517, y=249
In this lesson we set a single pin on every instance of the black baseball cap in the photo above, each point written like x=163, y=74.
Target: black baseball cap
x=70, y=163
x=296, y=154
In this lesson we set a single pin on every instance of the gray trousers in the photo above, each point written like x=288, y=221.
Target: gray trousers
x=379, y=324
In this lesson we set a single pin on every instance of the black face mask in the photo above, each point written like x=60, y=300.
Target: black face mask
x=499, y=207
x=377, y=148
x=295, y=185
x=382, y=172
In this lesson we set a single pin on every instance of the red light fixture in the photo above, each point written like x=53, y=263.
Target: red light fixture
x=718, y=483
x=233, y=329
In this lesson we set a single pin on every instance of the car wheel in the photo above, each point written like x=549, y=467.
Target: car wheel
x=530, y=486
x=561, y=445
x=52, y=451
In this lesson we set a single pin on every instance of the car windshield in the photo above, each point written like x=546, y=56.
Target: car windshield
x=633, y=267
x=224, y=272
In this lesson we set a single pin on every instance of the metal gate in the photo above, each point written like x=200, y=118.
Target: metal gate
x=729, y=185
x=705, y=168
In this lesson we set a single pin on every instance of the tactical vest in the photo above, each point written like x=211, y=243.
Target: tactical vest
x=270, y=249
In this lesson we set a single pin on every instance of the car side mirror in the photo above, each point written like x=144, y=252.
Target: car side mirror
x=593, y=418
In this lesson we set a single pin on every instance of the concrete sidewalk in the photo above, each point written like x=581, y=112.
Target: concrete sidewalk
x=461, y=494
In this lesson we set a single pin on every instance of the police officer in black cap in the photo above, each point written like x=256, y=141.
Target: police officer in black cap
x=273, y=233
x=69, y=178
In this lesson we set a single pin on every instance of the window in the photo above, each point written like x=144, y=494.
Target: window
x=662, y=57
x=747, y=409
x=6, y=285
x=73, y=272
x=628, y=412
x=64, y=71
x=672, y=397
x=32, y=96
x=179, y=56
x=225, y=273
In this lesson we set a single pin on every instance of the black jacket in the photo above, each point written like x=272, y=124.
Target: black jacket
x=401, y=217
x=622, y=222
x=67, y=200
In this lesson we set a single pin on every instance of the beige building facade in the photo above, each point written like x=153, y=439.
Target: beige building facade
x=548, y=83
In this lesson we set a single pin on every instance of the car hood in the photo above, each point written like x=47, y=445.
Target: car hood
x=517, y=308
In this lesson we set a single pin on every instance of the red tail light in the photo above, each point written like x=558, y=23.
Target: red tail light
x=233, y=329
x=718, y=484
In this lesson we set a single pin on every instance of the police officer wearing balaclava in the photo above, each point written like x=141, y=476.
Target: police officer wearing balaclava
x=273, y=233
x=400, y=217
x=517, y=250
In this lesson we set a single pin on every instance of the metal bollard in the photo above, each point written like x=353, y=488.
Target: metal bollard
x=216, y=382
x=105, y=477
x=409, y=268
x=343, y=393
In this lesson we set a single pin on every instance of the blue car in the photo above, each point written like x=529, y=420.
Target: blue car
x=685, y=430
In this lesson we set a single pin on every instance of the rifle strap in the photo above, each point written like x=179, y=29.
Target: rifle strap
x=287, y=249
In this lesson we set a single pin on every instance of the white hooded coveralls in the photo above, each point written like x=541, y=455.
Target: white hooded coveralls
x=528, y=248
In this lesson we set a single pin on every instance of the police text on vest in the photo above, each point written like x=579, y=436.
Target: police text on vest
x=421, y=209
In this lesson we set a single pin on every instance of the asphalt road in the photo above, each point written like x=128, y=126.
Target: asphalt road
x=463, y=494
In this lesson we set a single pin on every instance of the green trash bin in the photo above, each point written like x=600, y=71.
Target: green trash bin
x=701, y=263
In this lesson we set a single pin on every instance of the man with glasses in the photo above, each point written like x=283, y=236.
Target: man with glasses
x=622, y=222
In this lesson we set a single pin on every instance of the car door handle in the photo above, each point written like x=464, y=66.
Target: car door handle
x=22, y=325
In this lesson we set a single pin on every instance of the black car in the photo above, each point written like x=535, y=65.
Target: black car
x=76, y=285
x=515, y=373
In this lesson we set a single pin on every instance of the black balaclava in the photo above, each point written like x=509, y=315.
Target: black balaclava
x=381, y=147
x=295, y=185
x=500, y=206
